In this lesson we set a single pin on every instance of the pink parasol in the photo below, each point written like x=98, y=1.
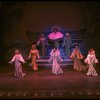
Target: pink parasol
x=55, y=35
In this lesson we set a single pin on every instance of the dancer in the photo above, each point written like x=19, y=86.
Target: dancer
x=43, y=44
x=77, y=56
x=34, y=54
x=18, y=60
x=67, y=43
x=55, y=59
x=91, y=60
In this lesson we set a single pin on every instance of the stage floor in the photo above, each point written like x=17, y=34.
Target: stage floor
x=43, y=84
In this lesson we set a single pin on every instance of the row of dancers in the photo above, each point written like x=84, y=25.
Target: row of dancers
x=55, y=37
x=55, y=59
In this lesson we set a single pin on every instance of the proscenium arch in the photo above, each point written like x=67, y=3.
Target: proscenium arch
x=72, y=23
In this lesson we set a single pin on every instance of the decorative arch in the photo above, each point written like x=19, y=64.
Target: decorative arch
x=37, y=18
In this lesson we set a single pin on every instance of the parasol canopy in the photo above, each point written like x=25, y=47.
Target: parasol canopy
x=55, y=35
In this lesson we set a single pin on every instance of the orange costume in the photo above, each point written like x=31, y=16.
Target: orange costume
x=34, y=54
x=77, y=56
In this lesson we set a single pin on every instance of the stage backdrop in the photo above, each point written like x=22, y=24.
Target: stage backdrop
x=22, y=17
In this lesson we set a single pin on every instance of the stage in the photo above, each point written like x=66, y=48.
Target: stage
x=43, y=84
